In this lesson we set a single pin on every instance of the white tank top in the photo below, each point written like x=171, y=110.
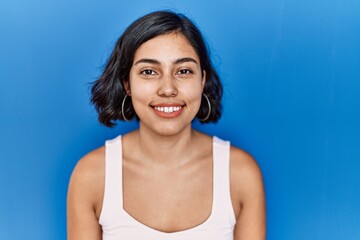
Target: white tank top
x=117, y=224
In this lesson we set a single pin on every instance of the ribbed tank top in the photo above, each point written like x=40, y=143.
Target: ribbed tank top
x=117, y=224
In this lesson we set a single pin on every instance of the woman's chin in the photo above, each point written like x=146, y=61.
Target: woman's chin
x=168, y=129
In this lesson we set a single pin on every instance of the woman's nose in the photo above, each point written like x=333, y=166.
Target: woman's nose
x=167, y=86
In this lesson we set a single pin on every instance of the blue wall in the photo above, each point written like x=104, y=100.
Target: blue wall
x=291, y=72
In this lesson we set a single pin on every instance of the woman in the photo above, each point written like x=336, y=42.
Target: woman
x=164, y=180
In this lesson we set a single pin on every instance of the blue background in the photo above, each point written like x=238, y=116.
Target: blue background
x=291, y=72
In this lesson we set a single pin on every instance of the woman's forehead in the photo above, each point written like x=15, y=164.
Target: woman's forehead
x=168, y=47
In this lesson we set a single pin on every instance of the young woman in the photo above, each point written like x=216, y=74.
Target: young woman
x=164, y=180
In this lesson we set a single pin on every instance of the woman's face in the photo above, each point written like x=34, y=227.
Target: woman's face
x=166, y=84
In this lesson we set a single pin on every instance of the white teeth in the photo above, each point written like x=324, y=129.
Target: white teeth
x=168, y=109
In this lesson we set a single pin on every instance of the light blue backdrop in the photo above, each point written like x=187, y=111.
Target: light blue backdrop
x=291, y=72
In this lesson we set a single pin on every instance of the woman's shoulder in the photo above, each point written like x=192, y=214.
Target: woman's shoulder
x=93, y=162
x=242, y=161
x=246, y=178
x=87, y=178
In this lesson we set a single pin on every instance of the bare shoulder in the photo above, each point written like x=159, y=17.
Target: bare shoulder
x=87, y=180
x=247, y=196
x=245, y=178
x=84, y=197
x=243, y=165
x=91, y=166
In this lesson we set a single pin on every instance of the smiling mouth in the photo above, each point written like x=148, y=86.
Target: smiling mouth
x=168, y=109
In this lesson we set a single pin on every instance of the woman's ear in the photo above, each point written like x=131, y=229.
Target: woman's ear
x=203, y=80
x=127, y=87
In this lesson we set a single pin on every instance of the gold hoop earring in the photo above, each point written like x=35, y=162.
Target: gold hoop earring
x=209, y=104
x=122, y=109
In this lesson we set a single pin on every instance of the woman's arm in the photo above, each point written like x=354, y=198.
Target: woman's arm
x=247, y=190
x=85, y=191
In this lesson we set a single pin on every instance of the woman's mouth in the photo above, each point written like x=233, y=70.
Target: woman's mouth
x=168, y=111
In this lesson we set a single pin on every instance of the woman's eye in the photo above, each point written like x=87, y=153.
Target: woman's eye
x=184, y=71
x=148, y=72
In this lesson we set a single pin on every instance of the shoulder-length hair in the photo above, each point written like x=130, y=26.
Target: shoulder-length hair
x=108, y=91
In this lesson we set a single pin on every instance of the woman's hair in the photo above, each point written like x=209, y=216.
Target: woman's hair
x=108, y=92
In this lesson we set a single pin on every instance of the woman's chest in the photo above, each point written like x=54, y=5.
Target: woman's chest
x=169, y=201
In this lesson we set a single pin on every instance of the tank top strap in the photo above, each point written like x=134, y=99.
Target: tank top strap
x=113, y=200
x=223, y=208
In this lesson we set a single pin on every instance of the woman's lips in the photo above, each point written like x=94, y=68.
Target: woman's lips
x=168, y=110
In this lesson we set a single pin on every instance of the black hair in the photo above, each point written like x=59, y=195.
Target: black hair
x=108, y=91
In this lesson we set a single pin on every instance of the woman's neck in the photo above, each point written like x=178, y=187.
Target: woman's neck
x=174, y=149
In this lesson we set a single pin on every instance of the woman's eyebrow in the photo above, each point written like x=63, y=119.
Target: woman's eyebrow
x=177, y=61
x=147, y=60
x=183, y=60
